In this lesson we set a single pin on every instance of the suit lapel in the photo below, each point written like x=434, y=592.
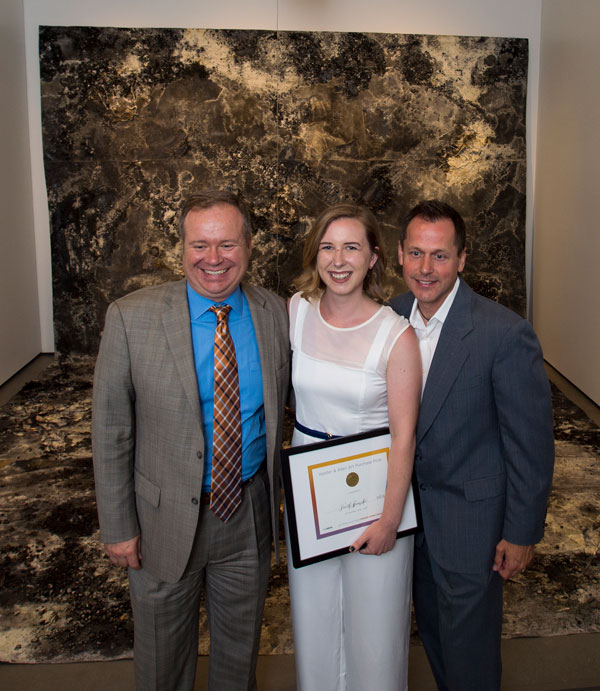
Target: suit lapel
x=450, y=355
x=263, y=325
x=262, y=318
x=176, y=322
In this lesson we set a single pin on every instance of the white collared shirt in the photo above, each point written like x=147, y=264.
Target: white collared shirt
x=429, y=334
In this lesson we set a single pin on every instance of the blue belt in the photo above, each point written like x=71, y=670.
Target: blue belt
x=314, y=432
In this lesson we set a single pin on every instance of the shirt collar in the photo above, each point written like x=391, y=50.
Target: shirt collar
x=417, y=321
x=199, y=304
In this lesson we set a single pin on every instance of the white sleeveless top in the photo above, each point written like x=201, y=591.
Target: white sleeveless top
x=339, y=374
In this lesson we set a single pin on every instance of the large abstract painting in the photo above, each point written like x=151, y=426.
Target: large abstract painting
x=136, y=119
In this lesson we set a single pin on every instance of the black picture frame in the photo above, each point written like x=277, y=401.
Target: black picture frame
x=310, y=544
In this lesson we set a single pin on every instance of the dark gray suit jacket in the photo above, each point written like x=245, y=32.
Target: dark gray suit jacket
x=146, y=426
x=485, y=445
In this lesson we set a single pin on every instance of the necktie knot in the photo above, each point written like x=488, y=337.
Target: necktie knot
x=222, y=312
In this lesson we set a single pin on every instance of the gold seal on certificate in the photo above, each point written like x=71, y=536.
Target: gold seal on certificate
x=352, y=479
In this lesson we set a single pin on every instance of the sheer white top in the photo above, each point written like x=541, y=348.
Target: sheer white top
x=339, y=374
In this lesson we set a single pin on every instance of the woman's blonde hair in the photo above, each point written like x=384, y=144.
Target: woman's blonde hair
x=309, y=283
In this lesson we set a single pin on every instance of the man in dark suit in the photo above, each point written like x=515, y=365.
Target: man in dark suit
x=484, y=456
x=189, y=392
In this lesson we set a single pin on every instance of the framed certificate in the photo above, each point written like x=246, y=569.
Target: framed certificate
x=334, y=489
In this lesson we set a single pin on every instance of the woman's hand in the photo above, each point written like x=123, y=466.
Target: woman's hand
x=378, y=538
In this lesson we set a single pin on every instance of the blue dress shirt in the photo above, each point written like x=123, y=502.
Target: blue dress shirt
x=241, y=328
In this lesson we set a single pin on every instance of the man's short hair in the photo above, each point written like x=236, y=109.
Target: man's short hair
x=433, y=210
x=208, y=198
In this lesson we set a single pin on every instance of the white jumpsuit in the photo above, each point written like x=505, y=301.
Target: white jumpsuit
x=351, y=614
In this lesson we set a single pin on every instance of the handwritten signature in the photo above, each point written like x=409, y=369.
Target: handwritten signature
x=352, y=505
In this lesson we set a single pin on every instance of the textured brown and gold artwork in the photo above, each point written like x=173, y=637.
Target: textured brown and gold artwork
x=136, y=119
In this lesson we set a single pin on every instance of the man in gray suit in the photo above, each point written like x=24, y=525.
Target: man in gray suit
x=484, y=456
x=156, y=460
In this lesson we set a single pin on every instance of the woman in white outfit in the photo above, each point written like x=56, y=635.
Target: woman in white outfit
x=356, y=367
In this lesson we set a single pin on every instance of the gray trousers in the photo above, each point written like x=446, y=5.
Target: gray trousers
x=232, y=561
x=459, y=618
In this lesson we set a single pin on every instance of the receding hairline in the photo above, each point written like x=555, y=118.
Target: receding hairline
x=209, y=199
x=432, y=211
x=425, y=217
x=246, y=233
x=422, y=217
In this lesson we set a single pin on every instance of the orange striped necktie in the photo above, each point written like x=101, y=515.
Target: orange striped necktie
x=226, y=479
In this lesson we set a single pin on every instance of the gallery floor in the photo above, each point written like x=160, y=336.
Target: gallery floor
x=559, y=663
x=556, y=663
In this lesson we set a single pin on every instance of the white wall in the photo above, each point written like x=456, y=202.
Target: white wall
x=19, y=314
x=566, y=308
x=511, y=18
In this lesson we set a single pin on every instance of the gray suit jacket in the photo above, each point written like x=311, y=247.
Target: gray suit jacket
x=147, y=435
x=485, y=444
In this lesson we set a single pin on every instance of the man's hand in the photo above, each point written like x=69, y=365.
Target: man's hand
x=126, y=553
x=511, y=559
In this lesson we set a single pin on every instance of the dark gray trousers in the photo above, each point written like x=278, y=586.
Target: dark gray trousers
x=232, y=561
x=459, y=618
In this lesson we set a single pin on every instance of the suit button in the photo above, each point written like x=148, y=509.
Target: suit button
x=423, y=487
x=194, y=501
x=199, y=454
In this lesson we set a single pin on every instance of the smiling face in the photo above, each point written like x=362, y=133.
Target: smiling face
x=430, y=262
x=344, y=256
x=215, y=251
